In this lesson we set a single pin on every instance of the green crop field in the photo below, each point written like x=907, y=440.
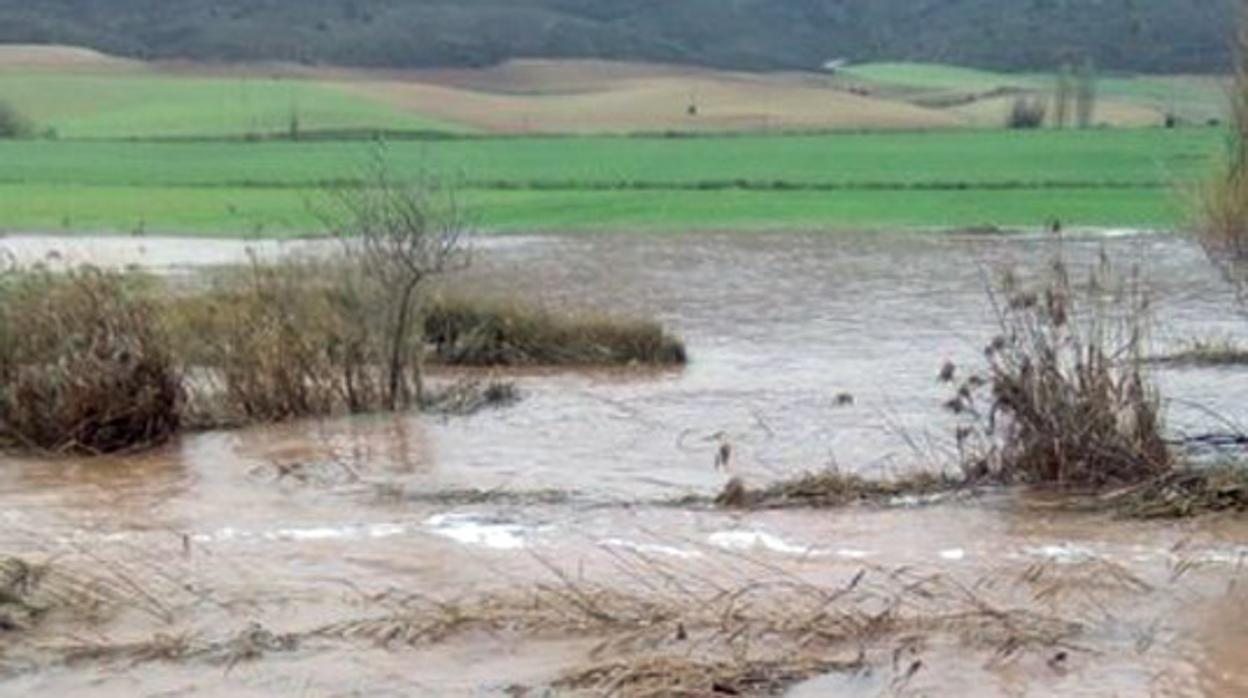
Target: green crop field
x=141, y=148
x=955, y=178
x=952, y=159
x=225, y=211
x=164, y=106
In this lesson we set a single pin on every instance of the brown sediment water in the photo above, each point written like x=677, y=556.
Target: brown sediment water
x=310, y=525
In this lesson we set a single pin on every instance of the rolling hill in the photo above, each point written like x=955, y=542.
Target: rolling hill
x=1158, y=36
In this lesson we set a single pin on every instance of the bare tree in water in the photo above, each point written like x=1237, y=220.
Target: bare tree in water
x=398, y=234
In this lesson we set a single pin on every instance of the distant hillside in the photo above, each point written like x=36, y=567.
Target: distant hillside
x=1137, y=35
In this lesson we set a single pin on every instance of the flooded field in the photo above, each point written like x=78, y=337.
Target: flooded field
x=269, y=561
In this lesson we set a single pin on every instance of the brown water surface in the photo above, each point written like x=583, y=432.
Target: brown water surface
x=580, y=475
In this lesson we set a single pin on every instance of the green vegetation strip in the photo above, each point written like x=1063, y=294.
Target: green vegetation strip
x=285, y=212
x=1097, y=177
x=153, y=106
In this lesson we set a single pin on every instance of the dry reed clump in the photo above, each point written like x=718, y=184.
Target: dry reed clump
x=269, y=342
x=1064, y=397
x=85, y=365
x=474, y=331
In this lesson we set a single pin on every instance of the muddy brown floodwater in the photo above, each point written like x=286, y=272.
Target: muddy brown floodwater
x=323, y=524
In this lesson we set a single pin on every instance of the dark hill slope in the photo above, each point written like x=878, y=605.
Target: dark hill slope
x=1141, y=35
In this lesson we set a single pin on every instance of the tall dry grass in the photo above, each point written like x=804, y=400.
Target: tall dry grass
x=1064, y=396
x=85, y=364
x=275, y=341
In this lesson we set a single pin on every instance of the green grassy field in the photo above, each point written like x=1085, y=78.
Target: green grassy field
x=956, y=178
x=1004, y=159
x=233, y=212
x=164, y=106
x=138, y=149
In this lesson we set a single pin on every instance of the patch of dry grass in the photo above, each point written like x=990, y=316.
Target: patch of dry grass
x=475, y=331
x=560, y=102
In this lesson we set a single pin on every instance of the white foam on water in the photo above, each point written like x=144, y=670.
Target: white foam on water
x=1067, y=553
x=469, y=529
x=749, y=540
x=304, y=533
x=650, y=548
x=953, y=554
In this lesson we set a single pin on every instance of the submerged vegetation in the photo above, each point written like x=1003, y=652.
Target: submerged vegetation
x=95, y=362
x=85, y=365
x=1064, y=399
x=467, y=331
x=832, y=488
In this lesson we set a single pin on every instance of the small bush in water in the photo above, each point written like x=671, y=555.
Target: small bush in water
x=84, y=365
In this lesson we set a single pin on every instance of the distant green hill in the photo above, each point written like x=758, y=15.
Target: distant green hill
x=1130, y=35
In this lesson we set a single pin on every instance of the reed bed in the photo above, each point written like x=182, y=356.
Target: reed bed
x=94, y=361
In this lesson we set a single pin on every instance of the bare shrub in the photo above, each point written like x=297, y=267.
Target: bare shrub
x=84, y=364
x=400, y=234
x=1026, y=113
x=1064, y=397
